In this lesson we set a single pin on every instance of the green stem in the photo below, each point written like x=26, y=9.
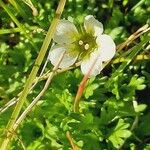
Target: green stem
x=22, y=28
x=34, y=102
x=14, y=30
x=133, y=53
x=82, y=87
x=138, y=57
x=30, y=4
x=9, y=128
x=138, y=4
x=14, y=100
x=19, y=8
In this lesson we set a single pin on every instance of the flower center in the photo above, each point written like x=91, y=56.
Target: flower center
x=86, y=44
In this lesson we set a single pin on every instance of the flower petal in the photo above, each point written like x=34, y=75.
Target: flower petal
x=55, y=54
x=87, y=64
x=66, y=32
x=93, y=26
x=106, y=46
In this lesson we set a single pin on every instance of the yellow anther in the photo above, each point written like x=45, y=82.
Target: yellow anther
x=86, y=46
x=80, y=42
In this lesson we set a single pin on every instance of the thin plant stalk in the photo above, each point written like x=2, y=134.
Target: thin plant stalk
x=37, y=80
x=8, y=105
x=19, y=8
x=33, y=8
x=14, y=30
x=134, y=36
x=7, y=132
x=74, y=146
x=29, y=108
x=82, y=86
x=22, y=27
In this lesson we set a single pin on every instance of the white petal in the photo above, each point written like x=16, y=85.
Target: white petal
x=66, y=32
x=87, y=64
x=57, y=51
x=93, y=26
x=106, y=46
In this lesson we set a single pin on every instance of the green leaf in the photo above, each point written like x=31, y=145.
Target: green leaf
x=90, y=89
x=107, y=115
x=87, y=119
x=147, y=147
x=140, y=108
x=66, y=99
x=91, y=142
x=138, y=83
x=119, y=133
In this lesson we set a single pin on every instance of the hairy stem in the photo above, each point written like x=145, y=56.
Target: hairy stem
x=82, y=86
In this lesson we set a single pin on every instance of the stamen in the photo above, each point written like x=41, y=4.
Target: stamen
x=80, y=42
x=86, y=46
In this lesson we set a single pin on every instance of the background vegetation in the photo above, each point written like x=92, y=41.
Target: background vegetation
x=114, y=108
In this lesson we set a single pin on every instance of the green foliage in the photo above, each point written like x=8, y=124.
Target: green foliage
x=107, y=109
x=119, y=133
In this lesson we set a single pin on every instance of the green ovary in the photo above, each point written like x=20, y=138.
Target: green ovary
x=85, y=45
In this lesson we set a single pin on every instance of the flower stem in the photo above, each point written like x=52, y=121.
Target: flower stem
x=79, y=93
x=7, y=133
x=82, y=86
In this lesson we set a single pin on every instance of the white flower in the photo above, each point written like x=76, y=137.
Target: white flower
x=87, y=45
